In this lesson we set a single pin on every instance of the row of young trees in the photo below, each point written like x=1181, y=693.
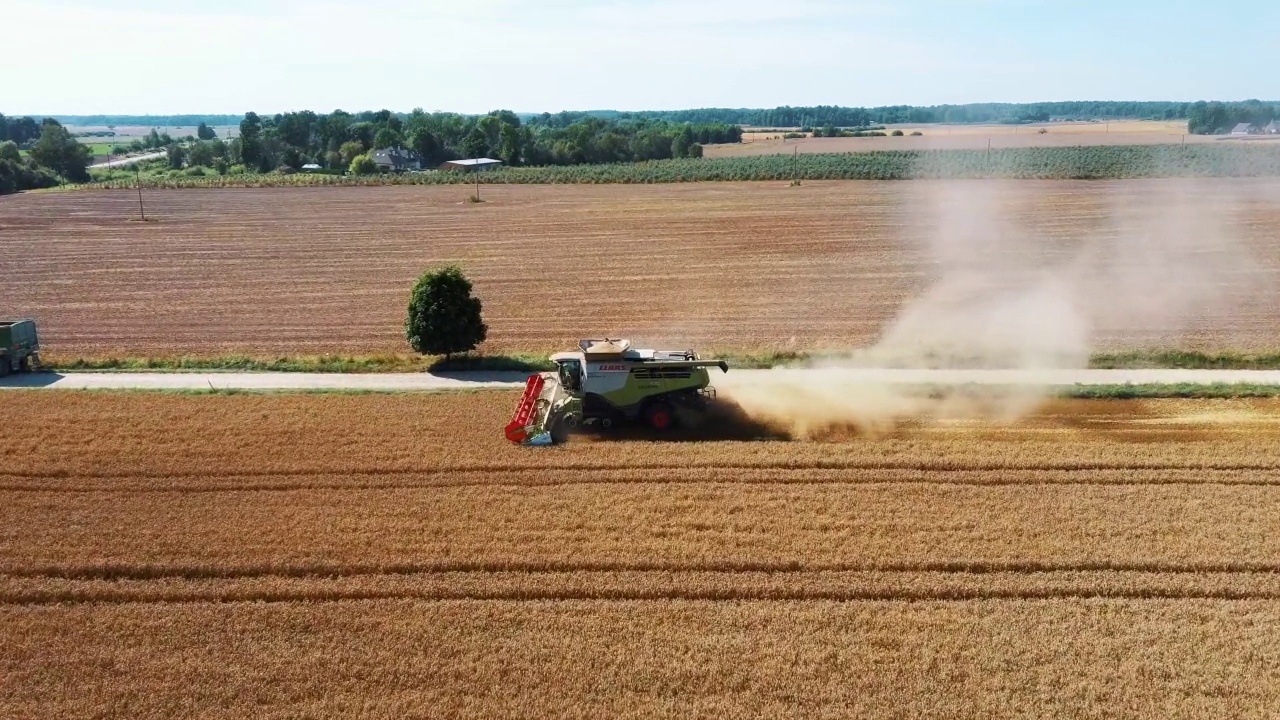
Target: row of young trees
x=337, y=139
x=53, y=155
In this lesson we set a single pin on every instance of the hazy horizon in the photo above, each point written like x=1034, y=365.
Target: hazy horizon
x=153, y=57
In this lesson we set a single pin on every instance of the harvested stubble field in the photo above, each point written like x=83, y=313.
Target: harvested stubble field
x=390, y=556
x=1080, y=132
x=717, y=266
x=970, y=138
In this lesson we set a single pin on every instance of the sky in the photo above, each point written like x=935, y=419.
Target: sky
x=472, y=56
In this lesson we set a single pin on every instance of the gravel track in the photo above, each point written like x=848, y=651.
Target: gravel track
x=483, y=380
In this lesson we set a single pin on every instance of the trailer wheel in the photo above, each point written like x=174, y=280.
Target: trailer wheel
x=4, y=366
x=659, y=416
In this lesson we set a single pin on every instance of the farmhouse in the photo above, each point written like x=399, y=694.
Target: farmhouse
x=396, y=159
x=1272, y=128
x=1242, y=129
x=473, y=165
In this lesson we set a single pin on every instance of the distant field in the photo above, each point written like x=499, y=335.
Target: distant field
x=99, y=148
x=974, y=137
x=391, y=556
x=727, y=266
x=128, y=133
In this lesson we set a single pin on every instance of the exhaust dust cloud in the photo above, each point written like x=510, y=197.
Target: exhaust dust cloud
x=1012, y=286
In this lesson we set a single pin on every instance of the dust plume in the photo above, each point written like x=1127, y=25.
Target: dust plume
x=1026, y=276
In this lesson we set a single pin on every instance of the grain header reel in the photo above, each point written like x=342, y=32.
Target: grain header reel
x=606, y=385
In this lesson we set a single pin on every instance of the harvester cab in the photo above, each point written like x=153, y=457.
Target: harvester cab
x=607, y=383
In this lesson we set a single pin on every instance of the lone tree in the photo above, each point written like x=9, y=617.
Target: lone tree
x=443, y=317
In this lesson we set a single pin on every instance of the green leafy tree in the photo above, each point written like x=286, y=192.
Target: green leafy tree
x=61, y=153
x=363, y=165
x=251, y=139
x=387, y=138
x=509, y=144
x=204, y=132
x=427, y=145
x=9, y=151
x=476, y=145
x=695, y=150
x=679, y=146
x=201, y=154
x=177, y=156
x=443, y=317
x=350, y=151
x=363, y=132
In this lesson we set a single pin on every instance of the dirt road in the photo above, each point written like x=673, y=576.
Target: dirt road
x=480, y=380
x=122, y=161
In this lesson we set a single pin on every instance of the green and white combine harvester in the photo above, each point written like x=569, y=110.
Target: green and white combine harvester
x=607, y=384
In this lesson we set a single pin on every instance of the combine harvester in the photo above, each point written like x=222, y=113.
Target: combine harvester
x=608, y=384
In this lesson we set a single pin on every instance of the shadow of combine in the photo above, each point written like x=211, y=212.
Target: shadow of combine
x=38, y=379
x=723, y=421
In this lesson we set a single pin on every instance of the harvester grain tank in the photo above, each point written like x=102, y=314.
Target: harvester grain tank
x=606, y=384
x=19, y=346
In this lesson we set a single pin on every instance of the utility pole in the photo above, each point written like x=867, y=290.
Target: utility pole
x=137, y=168
x=795, y=164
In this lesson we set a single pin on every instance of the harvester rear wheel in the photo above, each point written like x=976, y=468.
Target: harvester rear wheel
x=659, y=416
x=24, y=365
x=4, y=366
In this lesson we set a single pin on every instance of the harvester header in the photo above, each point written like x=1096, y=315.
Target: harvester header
x=607, y=383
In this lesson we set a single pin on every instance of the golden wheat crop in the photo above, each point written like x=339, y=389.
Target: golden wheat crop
x=392, y=556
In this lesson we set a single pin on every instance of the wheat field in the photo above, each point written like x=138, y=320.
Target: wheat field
x=385, y=556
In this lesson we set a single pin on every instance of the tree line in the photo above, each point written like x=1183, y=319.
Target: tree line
x=342, y=140
x=839, y=116
x=783, y=116
x=1210, y=118
x=53, y=155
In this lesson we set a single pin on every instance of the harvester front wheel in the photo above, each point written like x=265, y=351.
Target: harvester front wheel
x=559, y=431
x=659, y=416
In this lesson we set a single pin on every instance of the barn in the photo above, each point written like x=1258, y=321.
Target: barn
x=472, y=165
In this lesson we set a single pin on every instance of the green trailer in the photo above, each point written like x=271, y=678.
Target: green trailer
x=19, y=346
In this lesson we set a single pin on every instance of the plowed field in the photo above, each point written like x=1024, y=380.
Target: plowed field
x=725, y=266
x=390, y=556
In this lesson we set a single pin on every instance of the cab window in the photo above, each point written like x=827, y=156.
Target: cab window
x=571, y=375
